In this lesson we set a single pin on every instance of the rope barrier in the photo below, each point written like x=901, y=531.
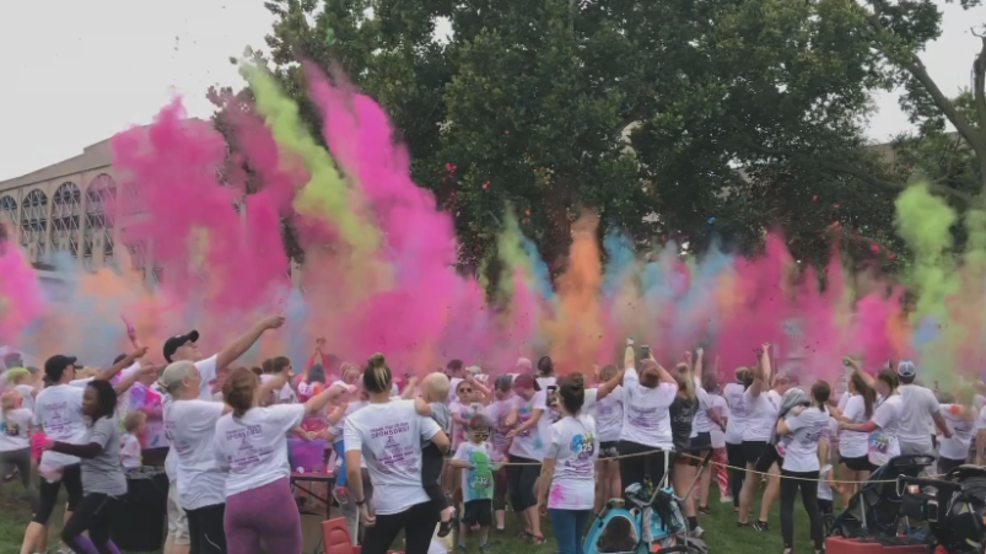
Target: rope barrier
x=725, y=466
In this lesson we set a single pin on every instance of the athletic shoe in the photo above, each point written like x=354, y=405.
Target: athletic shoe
x=696, y=533
x=703, y=509
x=725, y=499
x=461, y=549
x=761, y=526
x=484, y=548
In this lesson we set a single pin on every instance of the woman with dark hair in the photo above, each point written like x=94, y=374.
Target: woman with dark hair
x=883, y=425
x=854, y=445
x=567, y=483
x=389, y=434
x=800, y=470
x=546, y=373
x=103, y=480
x=59, y=411
x=762, y=405
x=251, y=444
x=735, y=427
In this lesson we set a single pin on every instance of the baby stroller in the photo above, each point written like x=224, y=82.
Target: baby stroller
x=620, y=529
x=954, y=507
x=875, y=511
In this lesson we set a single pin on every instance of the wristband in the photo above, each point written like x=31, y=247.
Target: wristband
x=361, y=502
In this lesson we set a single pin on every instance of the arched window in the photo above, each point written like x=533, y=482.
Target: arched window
x=66, y=211
x=100, y=211
x=8, y=211
x=34, y=224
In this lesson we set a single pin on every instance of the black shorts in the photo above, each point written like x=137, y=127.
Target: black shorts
x=753, y=450
x=945, y=465
x=701, y=442
x=478, y=512
x=609, y=450
x=862, y=463
x=770, y=457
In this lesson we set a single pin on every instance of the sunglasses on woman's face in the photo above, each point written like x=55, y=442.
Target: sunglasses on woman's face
x=465, y=390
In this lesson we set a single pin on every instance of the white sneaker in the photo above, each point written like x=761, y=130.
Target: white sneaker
x=696, y=533
x=725, y=499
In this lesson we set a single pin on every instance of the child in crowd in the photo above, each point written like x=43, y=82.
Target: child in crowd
x=134, y=425
x=316, y=425
x=475, y=459
x=15, y=441
x=431, y=403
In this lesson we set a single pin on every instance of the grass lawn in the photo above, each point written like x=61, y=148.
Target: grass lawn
x=721, y=533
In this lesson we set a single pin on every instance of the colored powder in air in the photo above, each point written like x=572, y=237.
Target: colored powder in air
x=21, y=297
x=576, y=330
x=924, y=222
x=326, y=194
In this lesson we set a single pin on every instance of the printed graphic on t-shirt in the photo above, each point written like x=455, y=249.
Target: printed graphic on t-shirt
x=10, y=428
x=480, y=477
x=247, y=454
x=396, y=456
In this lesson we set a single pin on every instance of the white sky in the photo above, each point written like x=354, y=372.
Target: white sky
x=76, y=72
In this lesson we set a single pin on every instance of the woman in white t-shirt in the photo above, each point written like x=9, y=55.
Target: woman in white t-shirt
x=738, y=411
x=882, y=427
x=605, y=405
x=854, y=445
x=646, y=438
x=961, y=420
x=567, y=482
x=251, y=445
x=761, y=416
x=526, y=452
x=546, y=373
x=388, y=433
x=800, y=468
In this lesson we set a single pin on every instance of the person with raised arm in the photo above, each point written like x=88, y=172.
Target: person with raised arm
x=762, y=407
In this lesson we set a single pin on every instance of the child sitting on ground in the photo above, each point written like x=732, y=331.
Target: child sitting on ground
x=130, y=442
x=431, y=403
x=475, y=458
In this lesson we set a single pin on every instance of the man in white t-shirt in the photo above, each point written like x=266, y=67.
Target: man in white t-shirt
x=185, y=348
x=919, y=409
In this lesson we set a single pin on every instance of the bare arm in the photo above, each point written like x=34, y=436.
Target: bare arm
x=544, y=482
x=761, y=373
x=126, y=362
x=511, y=418
x=441, y=441
x=124, y=385
x=629, y=359
x=423, y=408
x=941, y=424
x=409, y=390
x=320, y=400
x=535, y=417
x=664, y=376
x=608, y=387
x=239, y=346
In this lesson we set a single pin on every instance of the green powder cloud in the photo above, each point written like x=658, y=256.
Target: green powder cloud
x=326, y=195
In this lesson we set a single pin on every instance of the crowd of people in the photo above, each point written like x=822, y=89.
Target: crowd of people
x=445, y=453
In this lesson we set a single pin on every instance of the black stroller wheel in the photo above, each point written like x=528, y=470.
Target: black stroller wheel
x=828, y=524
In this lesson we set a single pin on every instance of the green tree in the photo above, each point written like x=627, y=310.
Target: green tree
x=718, y=116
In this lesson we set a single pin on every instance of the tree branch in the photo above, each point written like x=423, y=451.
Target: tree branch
x=979, y=81
x=865, y=176
x=913, y=65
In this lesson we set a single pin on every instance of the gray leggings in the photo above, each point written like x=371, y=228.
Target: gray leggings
x=21, y=459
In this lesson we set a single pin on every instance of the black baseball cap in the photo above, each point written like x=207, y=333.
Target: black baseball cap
x=56, y=365
x=174, y=343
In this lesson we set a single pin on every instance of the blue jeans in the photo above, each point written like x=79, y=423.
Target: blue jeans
x=568, y=526
x=341, y=453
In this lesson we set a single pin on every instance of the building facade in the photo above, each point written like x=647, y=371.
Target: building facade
x=81, y=206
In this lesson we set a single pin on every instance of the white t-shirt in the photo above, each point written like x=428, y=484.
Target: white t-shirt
x=607, y=412
x=717, y=434
x=646, y=420
x=981, y=420
x=254, y=448
x=574, y=445
x=738, y=412
x=702, y=422
x=129, y=451
x=529, y=444
x=498, y=413
x=27, y=396
x=15, y=427
x=207, y=370
x=807, y=428
x=883, y=441
x=283, y=395
x=762, y=415
x=918, y=405
x=546, y=382
x=854, y=444
x=191, y=427
x=58, y=409
x=389, y=436
x=957, y=447
x=824, y=490
x=477, y=480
